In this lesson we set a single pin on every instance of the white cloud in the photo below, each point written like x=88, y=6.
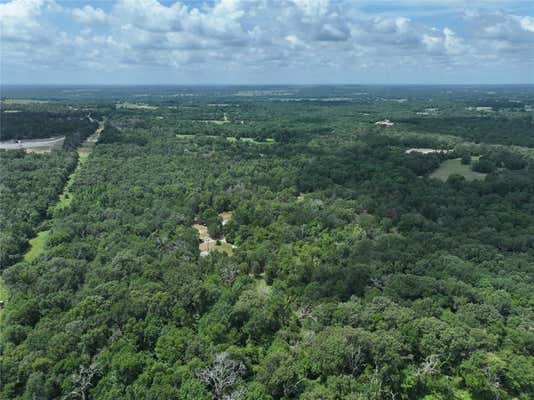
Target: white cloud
x=527, y=23
x=256, y=34
x=89, y=15
x=20, y=20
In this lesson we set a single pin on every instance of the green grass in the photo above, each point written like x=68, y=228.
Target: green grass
x=65, y=198
x=37, y=245
x=252, y=140
x=262, y=287
x=224, y=248
x=455, y=167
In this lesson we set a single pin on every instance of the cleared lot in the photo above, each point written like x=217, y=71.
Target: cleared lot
x=455, y=167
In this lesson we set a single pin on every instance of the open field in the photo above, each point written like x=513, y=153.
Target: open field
x=37, y=245
x=135, y=106
x=231, y=139
x=24, y=101
x=250, y=140
x=455, y=167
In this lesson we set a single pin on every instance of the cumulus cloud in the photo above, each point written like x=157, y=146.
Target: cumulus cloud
x=256, y=34
x=20, y=20
x=89, y=15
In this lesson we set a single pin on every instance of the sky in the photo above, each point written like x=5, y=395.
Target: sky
x=266, y=41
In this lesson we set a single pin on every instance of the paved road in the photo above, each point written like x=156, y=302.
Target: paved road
x=31, y=144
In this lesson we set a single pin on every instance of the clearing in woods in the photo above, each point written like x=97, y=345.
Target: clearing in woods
x=135, y=106
x=37, y=245
x=208, y=244
x=455, y=167
x=231, y=139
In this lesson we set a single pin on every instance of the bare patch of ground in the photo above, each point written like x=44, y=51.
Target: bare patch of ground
x=208, y=244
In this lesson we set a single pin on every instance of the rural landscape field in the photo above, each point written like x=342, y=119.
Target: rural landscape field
x=266, y=200
x=284, y=244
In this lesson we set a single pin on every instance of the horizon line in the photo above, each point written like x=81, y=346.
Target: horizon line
x=272, y=84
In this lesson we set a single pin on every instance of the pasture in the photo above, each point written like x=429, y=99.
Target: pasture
x=455, y=167
x=37, y=245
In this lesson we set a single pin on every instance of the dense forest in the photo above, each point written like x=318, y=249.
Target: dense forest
x=29, y=184
x=354, y=266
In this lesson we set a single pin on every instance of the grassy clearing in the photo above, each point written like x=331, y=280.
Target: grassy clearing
x=197, y=136
x=202, y=231
x=231, y=139
x=65, y=198
x=41, y=150
x=226, y=216
x=87, y=146
x=37, y=245
x=208, y=244
x=252, y=140
x=224, y=247
x=135, y=106
x=455, y=167
x=24, y=101
x=262, y=287
x=225, y=120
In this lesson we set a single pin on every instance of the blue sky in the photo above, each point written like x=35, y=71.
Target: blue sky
x=266, y=41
